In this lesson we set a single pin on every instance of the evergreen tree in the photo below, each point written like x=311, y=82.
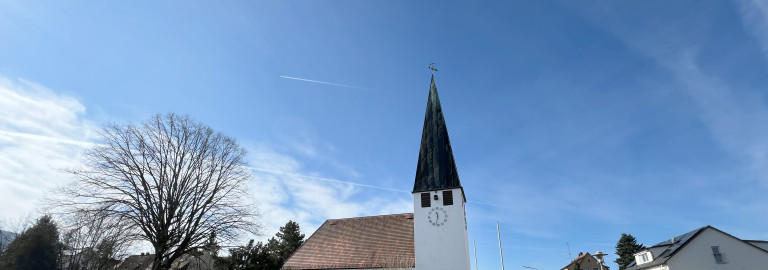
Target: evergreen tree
x=36, y=248
x=250, y=257
x=239, y=258
x=264, y=256
x=625, y=249
x=290, y=239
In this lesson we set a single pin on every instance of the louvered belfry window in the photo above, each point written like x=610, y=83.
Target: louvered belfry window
x=447, y=197
x=425, y=202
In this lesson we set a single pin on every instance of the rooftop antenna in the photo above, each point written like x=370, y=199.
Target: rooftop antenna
x=569, y=250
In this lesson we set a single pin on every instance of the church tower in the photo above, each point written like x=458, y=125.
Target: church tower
x=440, y=223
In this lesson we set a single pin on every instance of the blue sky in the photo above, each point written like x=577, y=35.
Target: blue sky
x=570, y=122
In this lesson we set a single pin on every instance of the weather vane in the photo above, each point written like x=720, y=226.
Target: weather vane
x=432, y=67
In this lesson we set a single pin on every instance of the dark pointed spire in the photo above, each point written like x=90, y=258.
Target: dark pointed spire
x=436, y=169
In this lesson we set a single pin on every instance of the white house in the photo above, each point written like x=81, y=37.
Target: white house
x=706, y=248
x=434, y=237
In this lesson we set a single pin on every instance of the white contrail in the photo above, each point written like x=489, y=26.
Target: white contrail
x=327, y=179
x=359, y=185
x=317, y=178
x=492, y=204
x=328, y=83
x=46, y=138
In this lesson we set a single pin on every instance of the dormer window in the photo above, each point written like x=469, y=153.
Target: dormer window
x=643, y=257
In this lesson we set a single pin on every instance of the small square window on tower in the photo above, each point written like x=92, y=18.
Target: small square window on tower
x=447, y=197
x=425, y=202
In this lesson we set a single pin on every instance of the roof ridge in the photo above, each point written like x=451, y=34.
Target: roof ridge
x=376, y=216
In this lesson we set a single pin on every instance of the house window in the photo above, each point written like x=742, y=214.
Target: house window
x=594, y=268
x=718, y=256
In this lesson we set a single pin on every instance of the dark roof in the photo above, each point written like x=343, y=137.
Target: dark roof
x=7, y=237
x=136, y=262
x=436, y=168
x=756, y=242
x=676, y=244
x=362, y=242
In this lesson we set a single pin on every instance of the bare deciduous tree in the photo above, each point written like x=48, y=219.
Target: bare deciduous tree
x=4, y=238
x=173, y=180
x=92, y=242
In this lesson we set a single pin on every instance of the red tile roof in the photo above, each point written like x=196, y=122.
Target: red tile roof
x=361, y=242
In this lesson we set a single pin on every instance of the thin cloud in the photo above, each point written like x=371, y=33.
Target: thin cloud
x=754, y=15
x=328, y=83
x=331, y=180
x=327, y=180
x=46, y=138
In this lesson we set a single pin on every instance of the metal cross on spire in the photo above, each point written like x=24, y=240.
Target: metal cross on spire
x=432, y=67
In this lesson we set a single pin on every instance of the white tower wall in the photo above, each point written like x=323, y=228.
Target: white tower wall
x=443, y=247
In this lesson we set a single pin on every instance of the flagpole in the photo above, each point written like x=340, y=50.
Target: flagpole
x=475, y=244
x=498, y=232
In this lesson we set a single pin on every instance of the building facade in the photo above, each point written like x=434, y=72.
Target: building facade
x=706, y=248
x=585, y=261
x=433, y=237
x=439, y=216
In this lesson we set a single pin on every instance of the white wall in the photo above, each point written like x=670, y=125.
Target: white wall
x=405, y=268
x=697, y=254
x=440, y=247
x=659, y=267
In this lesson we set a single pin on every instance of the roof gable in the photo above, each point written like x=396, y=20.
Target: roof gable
x=676, y=244
x=582, y=257
x=578, y=259
x=673, y=245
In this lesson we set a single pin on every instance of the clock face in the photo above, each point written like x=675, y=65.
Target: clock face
x=437, y=216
